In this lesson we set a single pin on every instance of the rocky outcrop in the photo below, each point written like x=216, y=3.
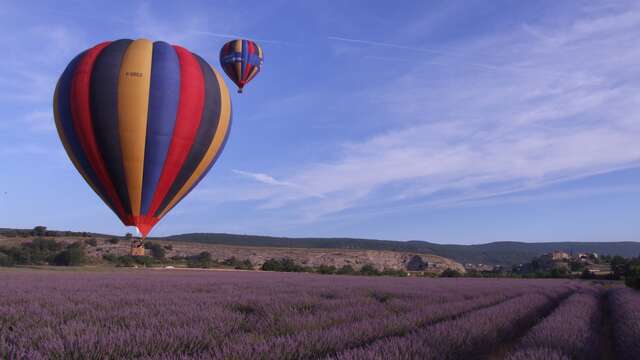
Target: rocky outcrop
x=380, y=259
x=316, y=257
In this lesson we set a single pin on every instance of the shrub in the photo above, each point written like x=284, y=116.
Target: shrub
x=91, y=242
x=632, y=276
x=38, y=251
x=157, y=251
x=346, y=270
x=110, y=257
x=143, y=260
x=42, y=244
x=587, y=274
x=5, y=259
x=326, y=269
x=168, y=247
x=77, y=244
x=72, y=256
x=393, y=272
x=369, y=270
x=244, y=265
x=125, y=261
x=202, y=260
x=114, y=240
x=450, y=273
x=238, y=264
x=285, y=265
x=558, y=272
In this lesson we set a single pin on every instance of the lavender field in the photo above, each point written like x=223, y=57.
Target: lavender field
x=160, y=314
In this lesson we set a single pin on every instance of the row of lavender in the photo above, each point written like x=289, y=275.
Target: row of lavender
x=470, y=335
x=576, y=330
x=158, y=314
x=572, y=331
x=625, y=315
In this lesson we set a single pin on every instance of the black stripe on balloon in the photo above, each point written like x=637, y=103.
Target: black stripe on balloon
x=204, y=136
x=104, y=114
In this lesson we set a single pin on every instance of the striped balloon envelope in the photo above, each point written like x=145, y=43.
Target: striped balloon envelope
x=241, y=60
x=143, y=122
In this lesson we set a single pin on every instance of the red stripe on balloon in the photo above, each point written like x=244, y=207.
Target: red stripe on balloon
x=190, y=108
x=83, y=125
x=245, y=75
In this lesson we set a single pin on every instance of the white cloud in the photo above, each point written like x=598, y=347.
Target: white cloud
x=558, y=105
x=264, y=178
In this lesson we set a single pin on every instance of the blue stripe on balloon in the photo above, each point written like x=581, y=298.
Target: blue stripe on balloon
x=164, y=96
x=245, y=56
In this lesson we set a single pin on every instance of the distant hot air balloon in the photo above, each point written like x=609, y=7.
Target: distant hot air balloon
x=143, y=122
x=241, y=61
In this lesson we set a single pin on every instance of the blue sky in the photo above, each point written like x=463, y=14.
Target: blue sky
x=445, y=121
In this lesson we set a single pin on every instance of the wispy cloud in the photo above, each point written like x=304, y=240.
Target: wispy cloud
x=264, y=178
x=270, y=180
x=471, y=135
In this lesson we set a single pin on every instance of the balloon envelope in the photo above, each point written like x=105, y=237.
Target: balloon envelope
x=143, y=122
x=241, y=60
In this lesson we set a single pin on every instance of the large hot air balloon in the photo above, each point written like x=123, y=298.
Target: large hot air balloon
x=241, y=60
x=143, y=122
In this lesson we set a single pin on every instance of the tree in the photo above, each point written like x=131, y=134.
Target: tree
x=369, y=270
x=202, y=260
x=72, y=256
x=157, y=251
x=632, y=275
x=558, y=272
x=114, y=240
x=285, y=265
x=618, y=266
x=450, y=273
x=326, y=269
x=39, y=230
x=587, y=274
x=576, y=265
x=346, y=270
x=5, y=259
x=416, y=264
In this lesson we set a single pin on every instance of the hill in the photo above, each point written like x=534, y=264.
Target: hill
x=97, y=246
x=505, y=253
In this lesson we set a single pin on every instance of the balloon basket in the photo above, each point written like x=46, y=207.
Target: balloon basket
x=137, y=247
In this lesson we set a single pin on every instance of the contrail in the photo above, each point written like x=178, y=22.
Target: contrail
x=232, y=36
x=418, y=49
x=445, y=53
x=396, y=46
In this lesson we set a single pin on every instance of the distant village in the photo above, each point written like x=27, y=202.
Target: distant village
x=556, y=263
